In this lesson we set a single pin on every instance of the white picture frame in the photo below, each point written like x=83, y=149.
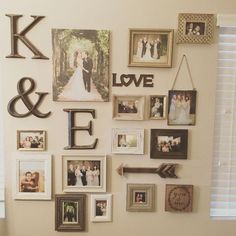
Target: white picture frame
x=127, y=141
x=32, y=177
x=101, y=207
x=83, y=173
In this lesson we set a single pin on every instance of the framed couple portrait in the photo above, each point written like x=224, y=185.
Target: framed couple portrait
x=84, y=173
x=195, y=28
x=32, y=179
x=127, y=141
x=80, y=65
x=169, y=143
x=150, y=47
x=70, y=212
x=140, y=197
x=157, y=107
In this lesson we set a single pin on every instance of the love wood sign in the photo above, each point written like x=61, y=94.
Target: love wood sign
x=128, y=79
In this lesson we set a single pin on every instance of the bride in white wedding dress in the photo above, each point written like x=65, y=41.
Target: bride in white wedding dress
x=75, y=90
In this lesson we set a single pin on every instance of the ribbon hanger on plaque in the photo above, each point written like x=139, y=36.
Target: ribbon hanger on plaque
x=182, y=103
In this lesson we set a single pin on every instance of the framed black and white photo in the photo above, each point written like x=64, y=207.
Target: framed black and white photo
x=157, y=107
x=84, y=173
x=182, y=107
x=169, y=143
x=127, y=141
x=195, y=28
x=128, y=107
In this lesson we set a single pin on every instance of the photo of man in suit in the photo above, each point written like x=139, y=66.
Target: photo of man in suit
x=87, y=70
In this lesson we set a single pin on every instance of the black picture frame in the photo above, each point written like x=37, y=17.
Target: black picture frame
x=169, y=143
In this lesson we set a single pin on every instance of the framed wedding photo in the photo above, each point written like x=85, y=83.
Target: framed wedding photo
x=128, y=107
x=169, y=143
x=182, y=107
x=179, y=198
x=128, y=141
x=70, y=212
x=150, y=47
x=33, y=177
x=195, y=28
x=80, y=65
x=157, y=107
x=31, y=140
x=140, y=197
x=101, y=207
x=84, y=173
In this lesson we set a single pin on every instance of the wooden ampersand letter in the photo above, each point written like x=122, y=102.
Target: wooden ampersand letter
x=15, y=35
x=72, y=129
x=23, y=96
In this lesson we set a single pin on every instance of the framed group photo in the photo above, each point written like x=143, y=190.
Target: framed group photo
x=128, y=107
x=150, y=47
x=127, y=141
x=140, y=197
x=80, y=65
x=101, y=207
x=169, y=143
x=33, y=177
x=70, y=212
x=157, y=107
x=195, y=28
x=31, y=140
x=84, y=173
x=182, y=107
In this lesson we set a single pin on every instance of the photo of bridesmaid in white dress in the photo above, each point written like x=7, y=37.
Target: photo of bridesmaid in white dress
x=182, y=107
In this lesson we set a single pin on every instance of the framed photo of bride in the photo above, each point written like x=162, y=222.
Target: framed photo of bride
x=150, y=47
x=182, y=107
x=80, y=65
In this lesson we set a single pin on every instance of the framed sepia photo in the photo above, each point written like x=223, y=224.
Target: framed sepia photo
x=179, y=198
x=182, y=107
x=31, y=140
x=101, y=207
x=157, y=107
x=33, y=177
x=128, y=141
x=195, y=28
x=128, y=107
x=80, y=65
x=84, y=173
x=140, y=197
x=169, y=143
x=150, y=47
x=70, y=212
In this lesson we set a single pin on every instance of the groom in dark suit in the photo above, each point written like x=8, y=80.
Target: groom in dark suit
x=87, y=70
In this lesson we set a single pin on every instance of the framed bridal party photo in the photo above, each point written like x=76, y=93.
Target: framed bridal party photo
x=80, y=65
x=150, y=47
x=182, y=107
x=169, y=143
x=84, y=173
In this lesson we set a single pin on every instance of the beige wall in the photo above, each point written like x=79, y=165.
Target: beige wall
x=37, y=217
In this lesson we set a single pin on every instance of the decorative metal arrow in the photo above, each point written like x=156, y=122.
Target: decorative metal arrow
x=165, y=170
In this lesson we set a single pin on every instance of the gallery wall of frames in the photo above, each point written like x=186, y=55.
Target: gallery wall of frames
x=101, y=134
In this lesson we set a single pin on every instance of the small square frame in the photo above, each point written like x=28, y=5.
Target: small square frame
x=32, y=177
x=150, y=47
x=70, y=212
x=31, y=140
x=169, y=143
x=101, y=207
x=127, y=141
x=195, y=28
x=75, y=177
x=179, y=198
x=140, y=197
x=128, y=107
x=157, y=107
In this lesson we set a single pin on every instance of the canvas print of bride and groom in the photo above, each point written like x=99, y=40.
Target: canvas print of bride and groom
x=80, y=65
